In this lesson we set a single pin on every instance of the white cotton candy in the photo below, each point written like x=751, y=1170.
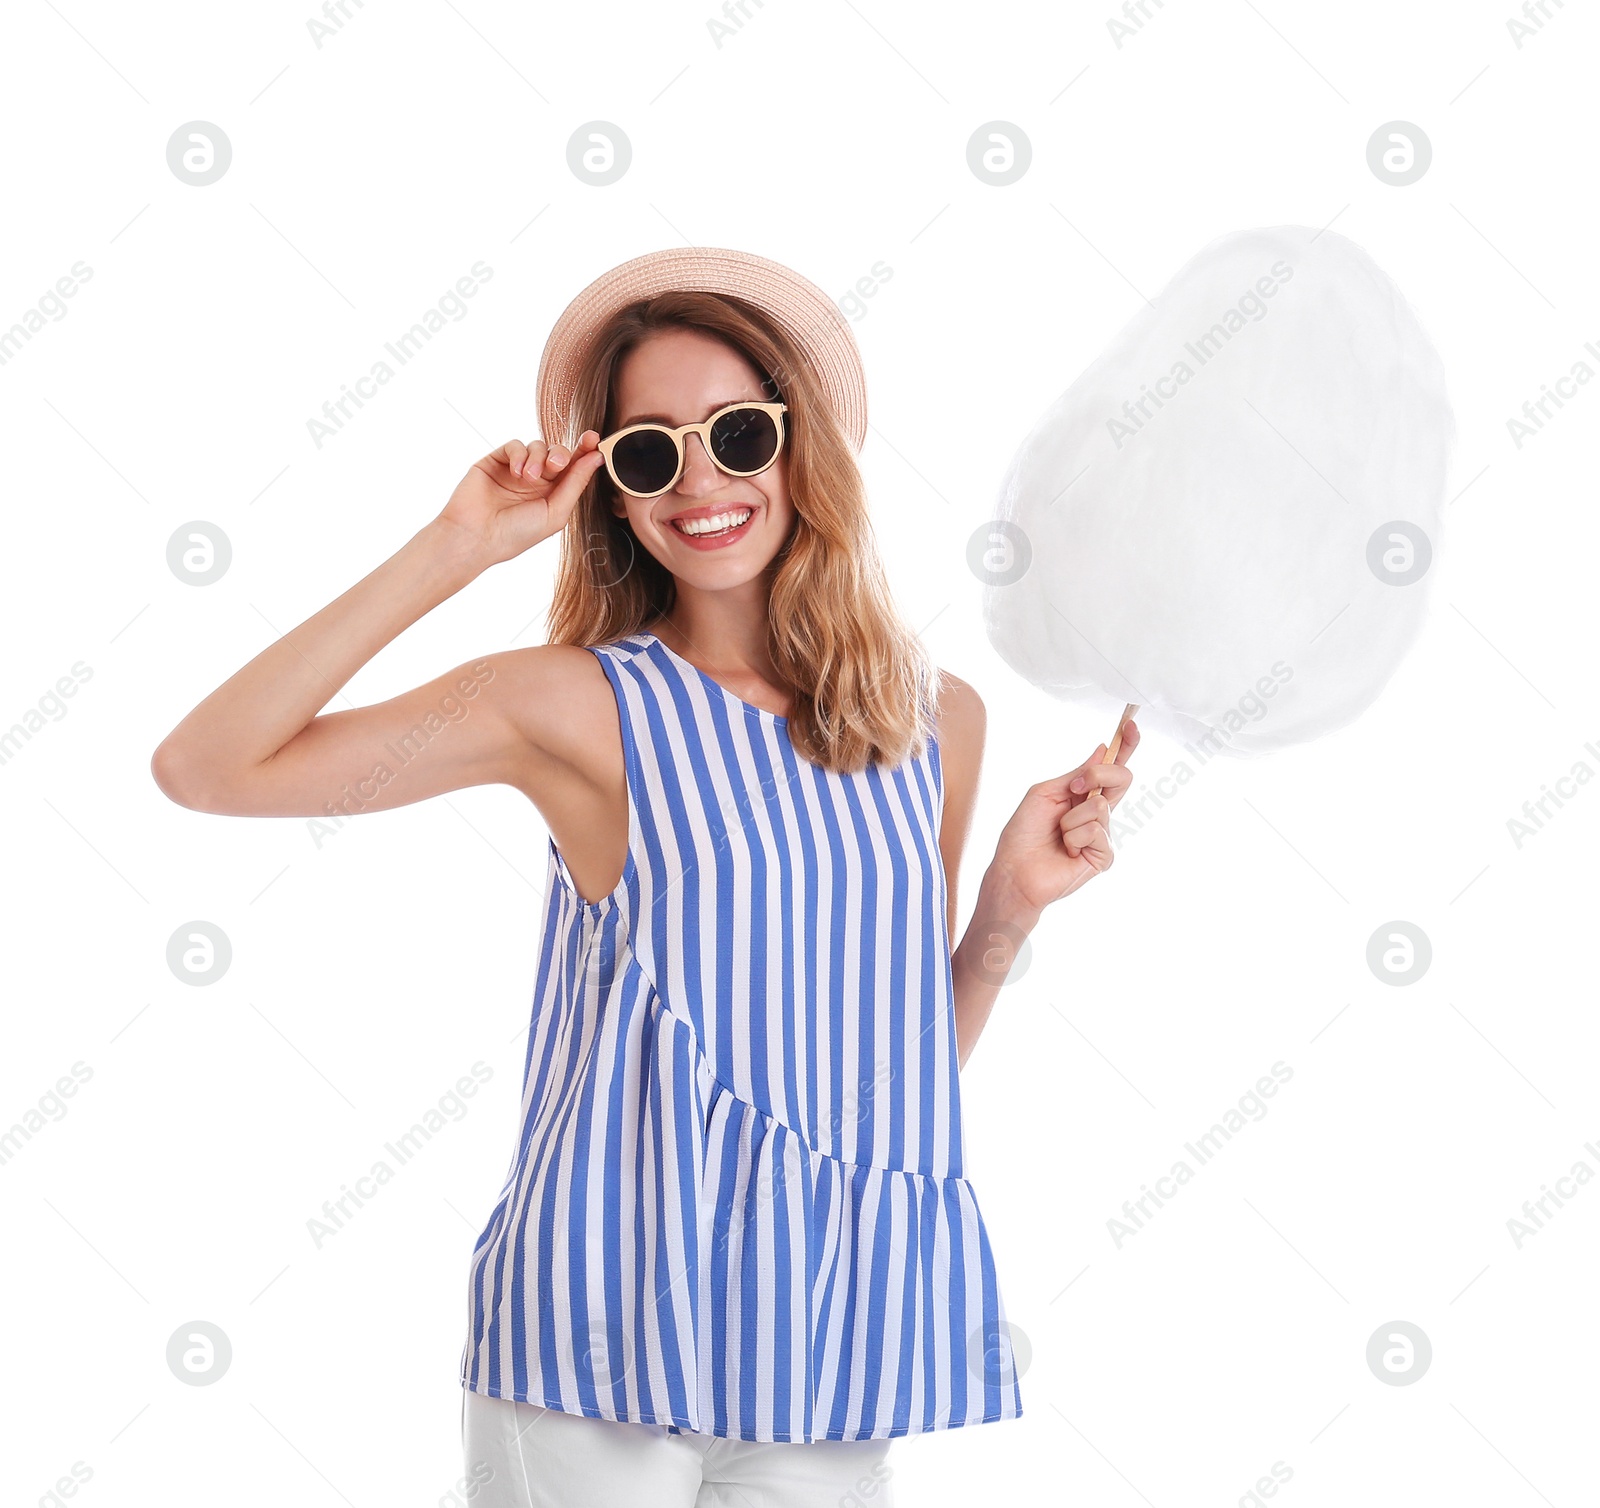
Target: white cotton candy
x=1200, y=505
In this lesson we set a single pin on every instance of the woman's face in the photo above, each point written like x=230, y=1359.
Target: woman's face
x=682, y=376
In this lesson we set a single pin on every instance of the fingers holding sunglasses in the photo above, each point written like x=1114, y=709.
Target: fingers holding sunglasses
x=520, y=494
x=536, y=463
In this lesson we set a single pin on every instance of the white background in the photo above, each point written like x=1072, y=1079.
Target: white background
x=371, y=172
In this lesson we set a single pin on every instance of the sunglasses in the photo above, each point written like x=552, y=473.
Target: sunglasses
x=644, y=460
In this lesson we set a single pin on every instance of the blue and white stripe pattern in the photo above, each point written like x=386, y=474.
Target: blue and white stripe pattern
x=737, y=1201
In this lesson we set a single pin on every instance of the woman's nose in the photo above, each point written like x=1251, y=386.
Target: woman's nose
x=700, y=473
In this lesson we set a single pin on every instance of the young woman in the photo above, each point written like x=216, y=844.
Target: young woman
x=735, y=1253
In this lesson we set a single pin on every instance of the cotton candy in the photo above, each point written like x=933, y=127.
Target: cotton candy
x=1232, y=517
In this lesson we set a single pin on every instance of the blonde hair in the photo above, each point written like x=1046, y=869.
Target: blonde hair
x=863, y=687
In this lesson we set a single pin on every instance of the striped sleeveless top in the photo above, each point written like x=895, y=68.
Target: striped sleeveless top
x=737, y=1203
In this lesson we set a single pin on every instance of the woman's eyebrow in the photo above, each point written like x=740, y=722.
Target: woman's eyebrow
x=666, y=419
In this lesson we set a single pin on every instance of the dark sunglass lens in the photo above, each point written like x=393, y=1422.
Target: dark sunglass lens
x=645, y=460
x=744, y=440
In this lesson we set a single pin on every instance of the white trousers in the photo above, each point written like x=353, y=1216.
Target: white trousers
x=519, y=1455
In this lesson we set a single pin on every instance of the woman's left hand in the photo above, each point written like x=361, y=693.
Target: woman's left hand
x=1060, y=835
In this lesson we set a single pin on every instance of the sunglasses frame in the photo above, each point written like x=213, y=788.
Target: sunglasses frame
x=775, y=411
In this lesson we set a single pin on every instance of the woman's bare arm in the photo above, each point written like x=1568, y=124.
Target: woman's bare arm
x=256, y=746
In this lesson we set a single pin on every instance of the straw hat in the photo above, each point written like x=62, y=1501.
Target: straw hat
x=802, y=309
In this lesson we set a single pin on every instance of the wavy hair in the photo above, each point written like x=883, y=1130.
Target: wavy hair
x=864, y=690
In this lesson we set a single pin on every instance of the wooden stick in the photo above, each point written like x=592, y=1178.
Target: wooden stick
x=1116, y=739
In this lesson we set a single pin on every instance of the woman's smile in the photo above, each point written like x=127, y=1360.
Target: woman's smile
x=712, y=526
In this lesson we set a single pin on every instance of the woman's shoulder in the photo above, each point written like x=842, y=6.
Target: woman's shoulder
x=563, y=667
x=959, y=715
x=960, y=721
x=556, y=695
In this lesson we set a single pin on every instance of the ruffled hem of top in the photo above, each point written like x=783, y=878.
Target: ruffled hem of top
x=745, y=1285
x=886, y=1277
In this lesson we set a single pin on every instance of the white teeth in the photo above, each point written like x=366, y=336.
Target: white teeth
x=716, y=524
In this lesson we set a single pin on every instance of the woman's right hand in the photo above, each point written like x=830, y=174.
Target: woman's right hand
x=519, y=495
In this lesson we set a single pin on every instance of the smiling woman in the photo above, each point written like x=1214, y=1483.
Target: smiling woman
x=796, y=527
x=737, y=1212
